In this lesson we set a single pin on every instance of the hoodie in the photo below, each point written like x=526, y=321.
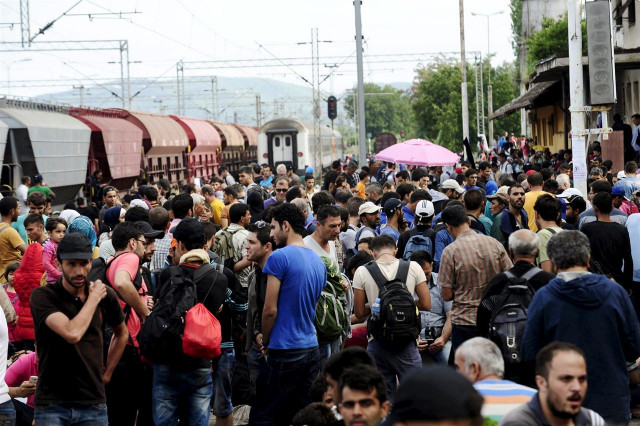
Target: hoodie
x=27, y=277
x=596, y=315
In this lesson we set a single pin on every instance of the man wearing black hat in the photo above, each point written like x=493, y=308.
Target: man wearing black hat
x=184, y=386
x=68, y=318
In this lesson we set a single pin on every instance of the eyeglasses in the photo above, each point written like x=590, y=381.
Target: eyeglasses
x=281, y=190
x=144, y=242
x=260, y=224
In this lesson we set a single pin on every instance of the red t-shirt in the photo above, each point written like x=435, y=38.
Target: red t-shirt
x=129, y=262
x=20, y=371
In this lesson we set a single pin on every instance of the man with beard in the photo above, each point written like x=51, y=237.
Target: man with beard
x=373, y=192
x=12, y=246
x=68, y=318
x=575, y=205
x=363, y=396
x=514, y=217
x=561, y=376
x=295, y=279
x=594, y=314
x=370, y=218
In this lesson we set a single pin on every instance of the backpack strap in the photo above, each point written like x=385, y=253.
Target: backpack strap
x=201, y=273
x=531, y=273
x=403, y=271
x=509, y=274
x=376, y=273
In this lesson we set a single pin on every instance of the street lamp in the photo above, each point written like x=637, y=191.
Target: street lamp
x=9, y=72
x=489, y=88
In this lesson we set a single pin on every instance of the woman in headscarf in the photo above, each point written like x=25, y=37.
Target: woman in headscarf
x=256, y=205
x=83, y=224
x=69, y=215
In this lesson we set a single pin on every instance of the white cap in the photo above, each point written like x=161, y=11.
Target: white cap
x=452, y=184
x=569, y=192
x=368, y=207
x=139, y=203
x=424, y=208
x=621, y=174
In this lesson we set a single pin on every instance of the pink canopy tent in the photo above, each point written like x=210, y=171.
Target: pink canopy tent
x=418, y=152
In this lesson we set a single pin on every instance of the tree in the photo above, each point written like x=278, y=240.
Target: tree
x=386, y=110
x=551, y=39
x=437, y=101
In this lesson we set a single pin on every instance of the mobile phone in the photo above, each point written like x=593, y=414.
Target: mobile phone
x=33, y=379
x=430, y=341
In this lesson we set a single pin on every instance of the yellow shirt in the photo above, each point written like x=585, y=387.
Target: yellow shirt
x=216, y=211
x=10, y=240
x=529, y=200
x=360, y=187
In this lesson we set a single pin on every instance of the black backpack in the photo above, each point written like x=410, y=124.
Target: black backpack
x=160, y=337
x=509, y=316
x=399, y=320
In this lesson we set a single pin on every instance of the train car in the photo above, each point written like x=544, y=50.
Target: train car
x=204, y=144
x=164, y=142
x=44, y=139
x=232, y=145
x=250, y=136
x=116, y=146
x=385, y=140
x=291, y=142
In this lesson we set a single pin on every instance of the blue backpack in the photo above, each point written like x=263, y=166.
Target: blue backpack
x=419, y=242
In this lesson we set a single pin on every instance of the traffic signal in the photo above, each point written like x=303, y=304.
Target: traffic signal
x=332, y=107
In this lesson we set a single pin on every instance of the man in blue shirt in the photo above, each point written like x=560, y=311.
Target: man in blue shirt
x=37, y=203
x=295, y=278
x=631, y=182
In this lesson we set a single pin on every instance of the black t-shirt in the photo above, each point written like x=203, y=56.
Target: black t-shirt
x=329, y=178
x=90, y=212
x=219, y=293
x=610, y=246
x=70, y=374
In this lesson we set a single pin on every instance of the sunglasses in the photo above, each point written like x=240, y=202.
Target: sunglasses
x=281, y=190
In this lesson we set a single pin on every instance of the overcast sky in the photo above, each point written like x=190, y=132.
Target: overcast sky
x=169, y=30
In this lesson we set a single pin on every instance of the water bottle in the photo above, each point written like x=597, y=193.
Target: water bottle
x=375, y=309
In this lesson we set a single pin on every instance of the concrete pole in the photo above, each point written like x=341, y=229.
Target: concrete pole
x=362, y=128
x=576, y=96
x=489, y=113
x=463, y=63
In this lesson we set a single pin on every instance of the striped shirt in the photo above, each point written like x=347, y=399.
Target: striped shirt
x=501, y=397
x=467, y=265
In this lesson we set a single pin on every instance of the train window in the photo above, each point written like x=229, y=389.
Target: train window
x=276, y=141
x=287, y=141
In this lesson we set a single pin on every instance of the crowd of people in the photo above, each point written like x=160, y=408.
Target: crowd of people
x=329, y=296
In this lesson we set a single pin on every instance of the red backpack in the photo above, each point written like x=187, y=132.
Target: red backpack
x=202, y=335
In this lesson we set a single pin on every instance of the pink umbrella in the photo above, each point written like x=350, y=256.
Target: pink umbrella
x=418, y=152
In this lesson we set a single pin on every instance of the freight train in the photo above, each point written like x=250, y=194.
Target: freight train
x=67, y=144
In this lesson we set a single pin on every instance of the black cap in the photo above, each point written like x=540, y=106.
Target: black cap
x=189, y=230
x=434, y=393
x=75, y=246
x=147, y=230
x=391, y=206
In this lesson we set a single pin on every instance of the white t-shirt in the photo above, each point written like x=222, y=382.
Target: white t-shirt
x=4, y=343
x=315, y=247
x=362, y=279
x=21, y=195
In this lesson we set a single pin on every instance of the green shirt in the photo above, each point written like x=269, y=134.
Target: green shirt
x=44, y=189
x=544, y=235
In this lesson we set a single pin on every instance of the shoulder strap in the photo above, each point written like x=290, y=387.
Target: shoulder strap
x=403, y=271
x=553, y=231
x=202, y=275
x=531, y=273
x=509, y=274
x=376, y=274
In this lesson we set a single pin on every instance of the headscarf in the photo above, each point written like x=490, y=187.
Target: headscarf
x=256, y=205
x=83, y=224
x=69, y=215
x=112, y=216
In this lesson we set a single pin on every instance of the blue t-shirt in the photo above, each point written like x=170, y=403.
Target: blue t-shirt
x=302, y=276
x=392, y=232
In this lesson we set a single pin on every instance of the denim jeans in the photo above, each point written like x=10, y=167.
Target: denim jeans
x=328, y=349
x=459, y=335
x=283, y=385
x=441, y=357
x=255, y=361
x=54, y=415
x=7, y=414
x=394, y=363
x=181, y=394
x=222, y=376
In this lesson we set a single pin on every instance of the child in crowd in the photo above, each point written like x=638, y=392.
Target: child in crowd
x=11, y=292
x=56, y=227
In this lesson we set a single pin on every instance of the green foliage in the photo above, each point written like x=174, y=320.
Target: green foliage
x=437, y=101
x=386, y=110
x=516, y=26
x=551, y=39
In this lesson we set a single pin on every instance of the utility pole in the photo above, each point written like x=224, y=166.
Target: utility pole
x=214, y=97
x=463, y=64
x=576, y=96
x=25, y=30
x=477, y=96
x=80, y=92
x=315, y=80
x=362, y=128
x=258, y=111
x=180, y=87
x=481, y=93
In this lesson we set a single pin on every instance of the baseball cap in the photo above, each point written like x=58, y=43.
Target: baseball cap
x=37, y=178
x=391, y=206
x=147, y=230
x=75, y=246
x=504, y=199
x=452, y=184
x=424, y=208
x=368, y=207
x=569, y=192
x=188, y=230
x=139, y=203
x=577, y=201
x=434, y=393
x=617, y=191
x=309, y=170
x=621, y=174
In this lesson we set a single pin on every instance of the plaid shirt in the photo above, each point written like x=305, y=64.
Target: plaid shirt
x=466, y=267
x=162, y=251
